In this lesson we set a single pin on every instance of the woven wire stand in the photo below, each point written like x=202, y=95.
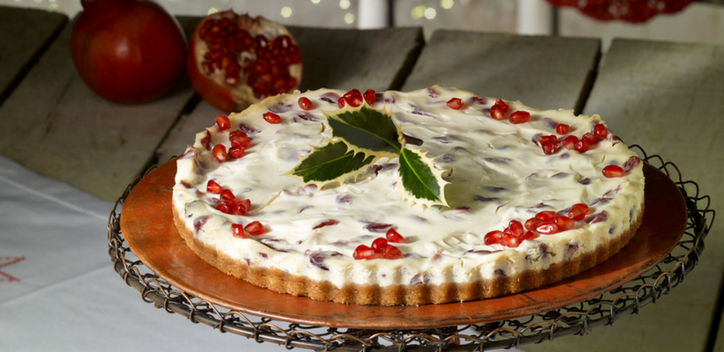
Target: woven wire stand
x=576, y=319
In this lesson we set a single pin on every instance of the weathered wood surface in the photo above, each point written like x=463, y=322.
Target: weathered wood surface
x=54, y=125
x=332, y=58
x=542, y=72
x=24, y=34
x=668, y=98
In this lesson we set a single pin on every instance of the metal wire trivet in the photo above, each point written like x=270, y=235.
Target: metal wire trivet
x=576, y=319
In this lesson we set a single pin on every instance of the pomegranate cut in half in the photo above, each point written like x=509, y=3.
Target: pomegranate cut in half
x=237, y=60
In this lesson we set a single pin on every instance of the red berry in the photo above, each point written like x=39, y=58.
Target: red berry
x=213, y=187
x=510, y=241
x=613, y=171
x=272, y=117
x=547, y=228
x=600, y=131
x=455, y=103
x=239, y=138
x=590, y=138
x=392, y=252
x=254, y=228
x=546, y=215
x=570, y=142
x=353, y=98
x=393, y=236
x=236, y=152
x=493, y=237
x=548, y=147
x=562, y=128
x=305, y=103
x=219, y=153
x=497, y=113
x=519, y=117
x=363, y=252
x=370, y=96
x=516, y=228
x=564, y=223
x=503, y=105
x=578, y=211
x=237, y=230
x=223, y=122
x=379, y=244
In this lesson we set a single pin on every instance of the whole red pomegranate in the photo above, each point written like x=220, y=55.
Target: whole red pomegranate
x=237, y=60
x=127, y=51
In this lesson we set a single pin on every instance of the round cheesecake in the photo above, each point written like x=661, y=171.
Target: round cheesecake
x=529, y=197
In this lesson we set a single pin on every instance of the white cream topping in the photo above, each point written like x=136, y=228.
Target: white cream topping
x=499, y=174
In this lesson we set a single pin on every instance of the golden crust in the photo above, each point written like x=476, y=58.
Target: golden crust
x=282, y=282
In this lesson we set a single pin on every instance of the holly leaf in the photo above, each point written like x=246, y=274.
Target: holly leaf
x=419, y=180
x=330, y=162
x=366, y=130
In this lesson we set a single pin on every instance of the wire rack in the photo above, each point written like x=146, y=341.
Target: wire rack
x=576, y=319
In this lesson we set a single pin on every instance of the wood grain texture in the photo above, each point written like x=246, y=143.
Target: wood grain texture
x=333, y=58
x=542, y=72
x=54, y=125
x=24, y=35
x=668, y=98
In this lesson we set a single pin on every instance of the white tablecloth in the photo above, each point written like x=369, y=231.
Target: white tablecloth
x=58, y=291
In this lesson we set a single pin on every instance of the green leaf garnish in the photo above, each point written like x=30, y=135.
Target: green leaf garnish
x=330, y=162
x=360, y=136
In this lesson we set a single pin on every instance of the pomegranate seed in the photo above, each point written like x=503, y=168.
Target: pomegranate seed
x=631, y=163
x=239, y=138
x=272, y=118
x=519, y=117
x=510, y=241
x=570, y=142
x=379, y=244
x=562, y=128
x=564, y=223
x=578, y=211
x=353, y=98
x=213, y=187
x=549, y=138
x=497, y=112
x=547, y=228
x=329, y=222
x=392, y=252
x=546, y=215
x=370, y=96
x=222, y=208
x=455, y=103
x=237, y=230
x=223, y=122
x=227, y=196
x=219, y=153
x=479, y=100
x=363, y=252
x=255, y=228
x=493, y=237
x=240, y=207
x=590, y=138
x=394, y=237
x=236, y=152
x=529, y=235
x=613, y=171
x=340, y=103
x=600, y=131
x=305, y=103
x=503, y=105
x=582, y=146
x=516, y=228
x=532, y=223
x=548, y=148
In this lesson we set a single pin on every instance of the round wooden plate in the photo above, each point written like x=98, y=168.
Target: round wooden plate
x=147, y=225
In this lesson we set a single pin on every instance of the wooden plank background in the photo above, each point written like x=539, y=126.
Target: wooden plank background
x=541, y=72
x=668, y=98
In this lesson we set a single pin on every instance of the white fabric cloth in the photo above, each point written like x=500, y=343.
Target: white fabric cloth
x=58, y=290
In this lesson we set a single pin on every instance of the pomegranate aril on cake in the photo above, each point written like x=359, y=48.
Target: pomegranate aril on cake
x=519, y=187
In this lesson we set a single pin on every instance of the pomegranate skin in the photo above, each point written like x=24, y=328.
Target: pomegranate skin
x=128, y=52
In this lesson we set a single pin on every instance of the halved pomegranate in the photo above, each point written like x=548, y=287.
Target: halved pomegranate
x=237, y=60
